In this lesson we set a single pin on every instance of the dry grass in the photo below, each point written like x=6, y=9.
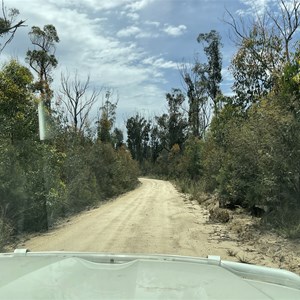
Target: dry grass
x=231, y=253
x=243, y=259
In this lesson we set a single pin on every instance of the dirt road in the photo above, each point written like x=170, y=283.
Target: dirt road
x=156, y=218
x=151, y=219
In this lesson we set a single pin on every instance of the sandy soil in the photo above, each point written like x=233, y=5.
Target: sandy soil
x=156, y=218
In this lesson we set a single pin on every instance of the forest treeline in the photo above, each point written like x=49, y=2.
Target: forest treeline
x=244, y=147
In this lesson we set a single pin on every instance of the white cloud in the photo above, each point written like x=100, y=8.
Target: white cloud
x=147, y=35
x=136, y=32
x=133, y=16
x=256, y=7
x=174, y=31
x=90, y=4
x=129, y=31
x=160, y=63
x=139, y=4
x=86, y=45
x=152, y=23
x=89, y=43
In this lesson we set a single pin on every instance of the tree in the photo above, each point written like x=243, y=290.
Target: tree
x=160, y=132
x=42, y=59
x=212, y=70
x=203, y=84
x=18, y=120
x=199, y=110
x=169, y=131
x=255, y=66
x=107, y=118
x=77, y=100
x=265, y=47
x=176, y=122
x=191, y=162
x=12, y=182
x=138, y=130
x=286, y=24
x=155, y=143
x=8, y=24
x=117, y=138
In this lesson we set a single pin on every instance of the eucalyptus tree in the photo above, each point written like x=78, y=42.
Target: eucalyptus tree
x=265, y=46
x=138, y=131
x=202, y=83
x=117, y=138
x=212, y=76
x=17, y=103
x=176, y=122
x=107, y=118
x=42, y=59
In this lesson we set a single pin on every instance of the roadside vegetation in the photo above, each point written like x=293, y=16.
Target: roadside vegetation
x=244, y=148
x=77, y=164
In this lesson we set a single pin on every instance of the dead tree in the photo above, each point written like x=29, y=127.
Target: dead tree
x=77, y=99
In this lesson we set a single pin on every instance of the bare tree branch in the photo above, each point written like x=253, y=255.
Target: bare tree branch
x=8, y=26
x=286, y=23
x=78, y=100
x=270, y=25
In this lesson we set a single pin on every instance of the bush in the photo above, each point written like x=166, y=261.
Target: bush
x=219, y=215
x=5, y=234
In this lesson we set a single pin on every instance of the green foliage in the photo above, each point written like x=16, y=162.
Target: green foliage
x=117, y=138
x=12, y=181
x=115, y=172
x=203, y=84
x=17, y=104
x=176, y=122
x=250, y=154
x=256, y=162
x=212, y=70
x=138, y=129
x=127, y=170
x=41, y=182
x=191, y=160
x=80, y=181
x=5, y=233
x=42, y=60
x=107, y=120
x=254, y=68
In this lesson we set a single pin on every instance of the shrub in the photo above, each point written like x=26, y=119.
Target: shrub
x=219, y=215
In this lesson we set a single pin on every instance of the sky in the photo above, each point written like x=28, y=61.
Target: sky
x=131, y=46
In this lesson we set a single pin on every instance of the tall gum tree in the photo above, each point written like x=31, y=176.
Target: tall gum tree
x=138, y=131
x=107, y=118
x=17, y=103
x=202, y=84
x=42, y=59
